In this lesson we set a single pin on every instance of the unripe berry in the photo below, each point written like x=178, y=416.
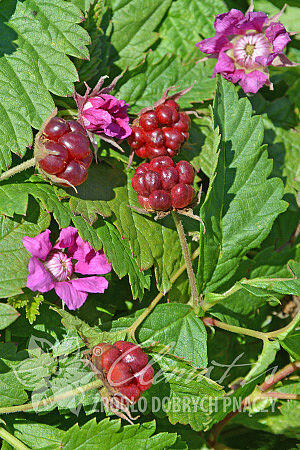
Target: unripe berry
x=119, y=374
x=144, y=378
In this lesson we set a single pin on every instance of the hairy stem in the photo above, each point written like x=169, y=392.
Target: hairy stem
x=49, y=401
x=234, y=329
x=187, y=259
x=12, y=440
x=271, y=381
x=25, y=165
x=160, y=295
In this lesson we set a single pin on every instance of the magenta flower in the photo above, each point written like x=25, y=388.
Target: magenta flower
x=108, y=115
x=245, y=45
x=54, y=267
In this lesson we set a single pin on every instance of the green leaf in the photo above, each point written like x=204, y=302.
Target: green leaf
x=30, y=301
x=44, y=33
x=133, y=25
x=8, y=315
x=242, y=202
x=11, y=390
x=14, y=199
x=14, y=257
x=38, y=435
x=291, y=344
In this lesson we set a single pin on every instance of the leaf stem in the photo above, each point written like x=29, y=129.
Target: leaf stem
x=12, y=440
x=160, y=295
x=25, y=165
x=234, y=329
x=56, y=398
x=187, y=258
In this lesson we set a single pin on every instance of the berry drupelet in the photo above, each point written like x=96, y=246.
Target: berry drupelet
x=64, y=151
x=125, y=367
x=160, y=132
x=161, y=185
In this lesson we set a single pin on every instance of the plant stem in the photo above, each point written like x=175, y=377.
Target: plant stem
x=12, y=440
x=56, y=398
x=234, y=329
x=283, y=373
x=275, y=333
x=160, y=295
x=187, y=258
x=25, y=165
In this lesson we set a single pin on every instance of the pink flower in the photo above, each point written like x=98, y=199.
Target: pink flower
x=108, y=115
x=245, y=45
x=54, y=267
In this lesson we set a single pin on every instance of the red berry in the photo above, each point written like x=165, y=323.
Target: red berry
x=186, y=172
x=144, y=202
x=132, y=355
x=164, y=114
x=77, y=144
x=152, y=181
x=185, y=135
x=172, y=104
x=55, y=128
x=56, y=160
x=142, y=152
x=155, y=138
x=155, y=152
x=173, y=138
x=145, y=378
x=182, y=195
x=160, y=200
x=148, y=121
x=139, y=185
x=109, y=355
x=119, y=374
x=184, y=122
x=159, y=163
x=87, y=161
x=75, y=173
x=137, y=138
x=144, y=167
x=75, y=126
x=169, y=177
x=132, y=391
x=172, y=153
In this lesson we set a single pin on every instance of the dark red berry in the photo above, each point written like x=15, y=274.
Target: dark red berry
x=145, y=378
x=155, y=138
x=75, y=173
x=75, y=126
x=186, y=172
x=144, y=167
x=139, y=185
x=87, y=161
x=164, y=114
x=155, y=152
x=56, y=160
x=152, y=181
x=158, y=164
x=137, y=138
x=172, y=104
x=77, y=144
x=169, y=177
x=109, y=355
x=182, y=195
x=160, y=200
x=184, y=122
x=132, y=355
x=120, y=374
x=185, y=135
x=141, y=152
x=173, y=138
x=144, y=202
x=55, y=128
x=133, y=392
x=148, y=121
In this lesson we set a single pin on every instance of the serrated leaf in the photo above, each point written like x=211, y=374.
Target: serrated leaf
x=44, y=33
x=30, y=301
x=8, y=315
x=38, y=435
x=242, y=203
x=133, y=25
x=11, y=390
x=14, y=257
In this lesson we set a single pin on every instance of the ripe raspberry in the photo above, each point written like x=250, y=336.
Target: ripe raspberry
x=63, y=150
x=161, y=185
x=160, y=132
x=125, y=366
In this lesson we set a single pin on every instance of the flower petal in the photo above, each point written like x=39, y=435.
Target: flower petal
x=254, y=21
x=67, y=237
x=69, y=294
x=95, y=263
x=38, y=277
x=39, y=245
x=213, y=45
x=253, y=81
x=90, y=284
x=227, y=23
x=224, y=64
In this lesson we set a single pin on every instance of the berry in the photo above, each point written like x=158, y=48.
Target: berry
x=126, y=368
x=182, y=195
x=160, y=132
x=55, y=128
x=148, y=121
x=160, y=201
x=56, y=160
x=162, y=186
x=186, y=172
x=68, y=151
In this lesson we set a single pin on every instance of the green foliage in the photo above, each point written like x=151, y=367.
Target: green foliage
x=8, y=314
